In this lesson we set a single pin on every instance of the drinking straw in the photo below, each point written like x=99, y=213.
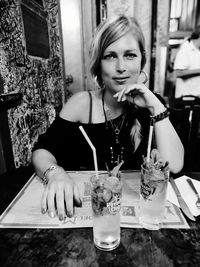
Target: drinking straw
x=93, y=150
x=149, y=142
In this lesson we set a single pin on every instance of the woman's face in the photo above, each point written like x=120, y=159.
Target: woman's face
x=121, y=63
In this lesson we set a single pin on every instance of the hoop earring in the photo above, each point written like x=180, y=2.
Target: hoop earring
x=96, y=83
x=103, y=86
x=146, y=78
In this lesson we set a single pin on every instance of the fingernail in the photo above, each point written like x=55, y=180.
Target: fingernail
x=80, y=203
x=43, y=211
x=60, y=217
x=51, y=214
x=69, y=214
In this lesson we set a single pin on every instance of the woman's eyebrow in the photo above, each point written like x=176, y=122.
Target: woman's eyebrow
x=132, y=50
x=124, y=51
x=109, y=51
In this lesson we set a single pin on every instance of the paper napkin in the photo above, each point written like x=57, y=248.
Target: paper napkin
x=186, y=192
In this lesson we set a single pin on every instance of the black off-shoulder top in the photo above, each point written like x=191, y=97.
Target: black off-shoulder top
x=68, y=145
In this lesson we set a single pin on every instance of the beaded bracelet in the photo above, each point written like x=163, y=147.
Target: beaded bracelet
x=160, y=116
x=51, y=168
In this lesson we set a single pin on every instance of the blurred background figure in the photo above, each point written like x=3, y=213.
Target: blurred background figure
x=187, y=66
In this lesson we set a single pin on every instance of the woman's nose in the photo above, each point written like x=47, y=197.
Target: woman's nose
x=120, y=66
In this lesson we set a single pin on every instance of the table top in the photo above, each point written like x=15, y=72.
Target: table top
x=74, y=247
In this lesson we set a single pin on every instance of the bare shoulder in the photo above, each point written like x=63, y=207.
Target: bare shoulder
x=77, y=107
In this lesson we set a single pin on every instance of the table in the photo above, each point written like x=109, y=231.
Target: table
x=74, y=247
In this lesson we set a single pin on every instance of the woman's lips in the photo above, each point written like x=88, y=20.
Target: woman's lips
x=121, y=80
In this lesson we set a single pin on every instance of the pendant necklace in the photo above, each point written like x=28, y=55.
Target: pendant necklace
x=116, y=128
x=108, y=118
x=115, y=159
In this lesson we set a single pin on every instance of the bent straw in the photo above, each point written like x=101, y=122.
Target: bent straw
x=93, y=150
x=149, y=142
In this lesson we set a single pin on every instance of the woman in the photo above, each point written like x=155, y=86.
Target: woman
x=116, y=118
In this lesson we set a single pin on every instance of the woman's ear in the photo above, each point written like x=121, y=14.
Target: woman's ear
x=143, y=77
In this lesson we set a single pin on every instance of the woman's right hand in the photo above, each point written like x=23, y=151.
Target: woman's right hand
x=141, y=96
x=59, y=195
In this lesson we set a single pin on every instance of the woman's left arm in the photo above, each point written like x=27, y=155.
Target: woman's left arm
x=169, y=144
x=167, y=140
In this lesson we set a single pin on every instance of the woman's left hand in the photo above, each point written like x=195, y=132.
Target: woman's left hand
x=139, y=95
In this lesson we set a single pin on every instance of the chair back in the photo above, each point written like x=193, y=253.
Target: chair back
x=185, y=117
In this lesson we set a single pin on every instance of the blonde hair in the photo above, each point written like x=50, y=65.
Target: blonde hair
x=107, y=33
x=135, y=134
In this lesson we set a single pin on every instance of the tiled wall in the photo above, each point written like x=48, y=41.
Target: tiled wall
x=40, y=80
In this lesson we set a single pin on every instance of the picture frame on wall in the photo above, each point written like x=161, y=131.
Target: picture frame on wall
x=35, y=29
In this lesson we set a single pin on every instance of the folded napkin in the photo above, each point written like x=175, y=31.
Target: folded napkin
x=186, y=192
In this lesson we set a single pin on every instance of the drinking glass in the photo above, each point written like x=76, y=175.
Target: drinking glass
x=154, y=182
x=106, y=204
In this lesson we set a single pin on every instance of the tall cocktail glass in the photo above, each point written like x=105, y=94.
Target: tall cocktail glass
x=154, y=182
x=106, y=204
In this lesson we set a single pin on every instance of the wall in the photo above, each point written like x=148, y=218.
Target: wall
x=78, y=19
x=120, y=7
x=40, y=80
x=162, y=36
x=71, y=19
x=143, y=13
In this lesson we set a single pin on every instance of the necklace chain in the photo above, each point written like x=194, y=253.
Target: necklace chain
x=117, y=129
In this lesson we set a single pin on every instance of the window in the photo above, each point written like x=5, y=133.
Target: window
x=184, y=15
x=35, y=29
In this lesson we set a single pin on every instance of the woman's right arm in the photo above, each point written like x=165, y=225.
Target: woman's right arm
x=61, y=191
x=42, y=159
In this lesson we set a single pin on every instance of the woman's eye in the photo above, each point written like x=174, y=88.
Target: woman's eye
x=109, y=56
x=130, y=56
